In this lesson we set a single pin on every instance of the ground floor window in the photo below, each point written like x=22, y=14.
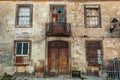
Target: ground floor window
x=94, y=52
x=22, y=52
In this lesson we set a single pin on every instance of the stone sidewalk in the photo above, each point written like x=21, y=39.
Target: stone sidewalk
x=62, y=78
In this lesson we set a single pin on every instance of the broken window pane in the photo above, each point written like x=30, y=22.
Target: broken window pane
x=58, y=13
x=92, y=16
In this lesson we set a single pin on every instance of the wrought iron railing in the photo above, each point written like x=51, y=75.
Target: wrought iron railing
x=111, y=68
x=58, y=29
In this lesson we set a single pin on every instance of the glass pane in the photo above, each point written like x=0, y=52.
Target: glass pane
x=58, y=10
x=24, y=21
x=61, y=19
x=90, y=21
x=27, y=18
x=92, y=16
x=25, y=48
x=54, y=10
x=96, y=19
x=61, y=10
x=19, y=49
x=24, y=11
x=21, y=22
x=93, y=21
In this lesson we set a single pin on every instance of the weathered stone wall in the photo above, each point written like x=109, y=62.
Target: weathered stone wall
x=111, y=48
x=41, y=15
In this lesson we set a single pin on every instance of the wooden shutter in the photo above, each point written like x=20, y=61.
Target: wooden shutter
x=17, y=14
x=51, y=13
x=19, y=59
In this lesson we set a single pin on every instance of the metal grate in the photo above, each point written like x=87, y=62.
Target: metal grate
x=112, y=68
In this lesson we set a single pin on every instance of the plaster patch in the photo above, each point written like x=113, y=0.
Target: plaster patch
x=77, y=47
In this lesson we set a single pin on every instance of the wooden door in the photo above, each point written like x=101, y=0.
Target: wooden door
x=53, y=61
x=58, y=61
x=63, y=61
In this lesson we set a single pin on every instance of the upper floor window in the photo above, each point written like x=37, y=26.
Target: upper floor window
x=22, y=52
x=92, y=16
x=58, y=13
x=24, y=15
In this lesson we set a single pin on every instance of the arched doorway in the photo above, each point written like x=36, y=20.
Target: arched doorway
x=58, y=58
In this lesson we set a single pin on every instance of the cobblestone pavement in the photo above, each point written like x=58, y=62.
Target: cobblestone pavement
x=62, y=78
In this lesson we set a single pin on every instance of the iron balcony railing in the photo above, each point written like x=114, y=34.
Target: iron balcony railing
x=58, y=29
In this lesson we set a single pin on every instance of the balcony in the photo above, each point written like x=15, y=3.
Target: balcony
x=58, y=29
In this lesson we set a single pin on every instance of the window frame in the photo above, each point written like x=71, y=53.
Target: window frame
x=96, y=48
x=92, y=6
x=22, y=49
x=23, y=55
x=17, y=16
x=51, y=12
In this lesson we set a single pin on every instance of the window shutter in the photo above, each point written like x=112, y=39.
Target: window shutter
x=31, y=14
x=19, y=59
x=99, y=14
x=65, y=13
x=17, y=13
x=51, y=13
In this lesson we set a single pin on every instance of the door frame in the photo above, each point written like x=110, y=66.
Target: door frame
x=69, y=55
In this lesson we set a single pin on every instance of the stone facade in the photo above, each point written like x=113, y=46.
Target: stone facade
x=41, y=16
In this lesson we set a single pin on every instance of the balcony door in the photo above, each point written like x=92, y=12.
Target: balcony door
x=58, y=58
x=58, y=18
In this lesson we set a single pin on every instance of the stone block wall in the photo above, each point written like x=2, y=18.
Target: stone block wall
x=41, y=16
